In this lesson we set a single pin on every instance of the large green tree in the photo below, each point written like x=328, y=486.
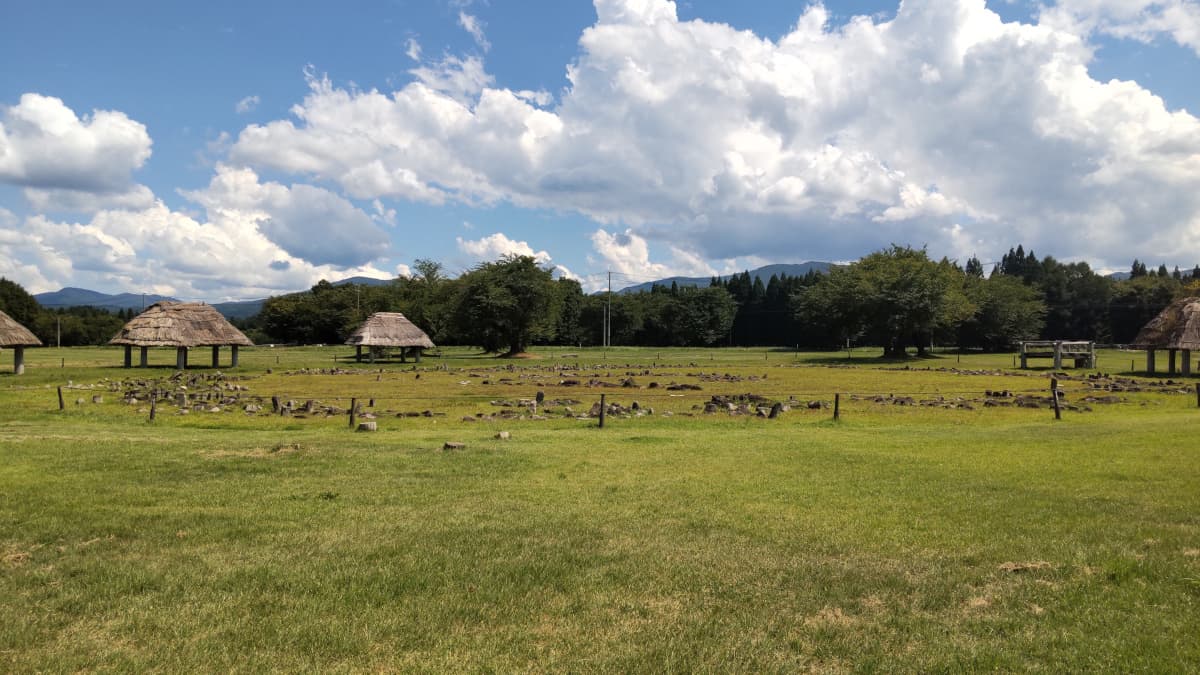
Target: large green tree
x=1006, y=312
x=16, y=302
x=896, y=297
x=507, y=304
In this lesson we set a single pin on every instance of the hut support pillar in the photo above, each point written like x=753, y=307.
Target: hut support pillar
x=1058, y=356
x=371, y=354
x=1150, y=361
x=1171, y=362
x=216, y=356
x=403, y=355
x=145, y=361
x=358, y=353
x=1187, y=362
x=128, y=356
x=417, y=354
x=233, y=355
x=19, y=360
x=181, y=358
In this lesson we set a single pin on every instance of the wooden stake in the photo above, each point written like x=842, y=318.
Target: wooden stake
x=153, y=405
x=62, y=406
x=603, y=410
x=837, y=406
x=1197, y=395
x=353, y=412
x=1054, y=397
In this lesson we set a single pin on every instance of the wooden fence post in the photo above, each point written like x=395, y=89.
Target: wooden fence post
x=837, y=406
x=1197, y=395
x=603, y=410
x=62, y=406
x=153, y=405
x=353, y=412
x=1054, y=398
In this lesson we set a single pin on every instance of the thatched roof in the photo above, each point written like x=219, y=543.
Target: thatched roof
x=179, y=324
x=13, y=334
x=1176, y=327
x=389, y=329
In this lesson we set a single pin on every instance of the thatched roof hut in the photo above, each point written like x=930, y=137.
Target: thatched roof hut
x=18, y=337
x=13, y=334
x=181, y=325
x=389, y=330
x=1176, y=328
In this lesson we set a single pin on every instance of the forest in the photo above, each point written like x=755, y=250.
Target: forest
x=898, y=298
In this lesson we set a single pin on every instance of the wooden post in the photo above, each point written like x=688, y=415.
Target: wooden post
x=1057, y=355
x=1187, y=362
x=417, y=354
x=603, y=410
x=1150, y=361
x=1024, y=359
x=128, y=356
x=181, y=358
x=837, y=406
x=1054, y=398
x=145, y=357
x=357, y=354
x=353, y=412
x=62, y=406
x=1171, y=362
x=19, y=360
x=1198, y=394
x=153, y=405
x=216, y=356
x=233, y=354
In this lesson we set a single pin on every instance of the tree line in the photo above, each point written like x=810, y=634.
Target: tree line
x=898, y=298
x=68, y=326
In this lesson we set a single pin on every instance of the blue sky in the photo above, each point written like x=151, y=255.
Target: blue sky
x=228, y=150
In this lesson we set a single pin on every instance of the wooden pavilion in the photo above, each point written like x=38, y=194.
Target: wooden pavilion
x=389, y=330
x=181, y=325
x=18, y=337
x=1175, y=329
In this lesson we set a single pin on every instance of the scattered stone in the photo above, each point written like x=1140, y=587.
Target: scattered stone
x=452, y=445
x=368, y=426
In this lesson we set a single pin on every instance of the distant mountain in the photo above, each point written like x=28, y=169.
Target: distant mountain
x=82, y=297
x=242, y=309
x=363, y=281
x=764, y=273
x=1119, y=276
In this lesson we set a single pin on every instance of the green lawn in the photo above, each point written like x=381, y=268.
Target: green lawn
x=900, y=538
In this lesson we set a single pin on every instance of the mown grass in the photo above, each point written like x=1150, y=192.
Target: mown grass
x=900, y=538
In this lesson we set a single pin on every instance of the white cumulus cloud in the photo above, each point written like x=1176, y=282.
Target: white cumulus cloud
x=308, y=222
x=497, y=245
x=45, y=145
x=1142, y=20
x=943, y=126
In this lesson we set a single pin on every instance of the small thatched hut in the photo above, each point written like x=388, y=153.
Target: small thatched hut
x=13, y=334
x=181, y=325
x=389, y=330
x=1176, y=328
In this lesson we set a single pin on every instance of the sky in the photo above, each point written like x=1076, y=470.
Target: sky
x=228, y=150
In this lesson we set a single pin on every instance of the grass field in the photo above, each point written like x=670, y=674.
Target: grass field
x=942, y=536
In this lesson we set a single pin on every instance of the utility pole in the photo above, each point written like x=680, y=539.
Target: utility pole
x=608, y=328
